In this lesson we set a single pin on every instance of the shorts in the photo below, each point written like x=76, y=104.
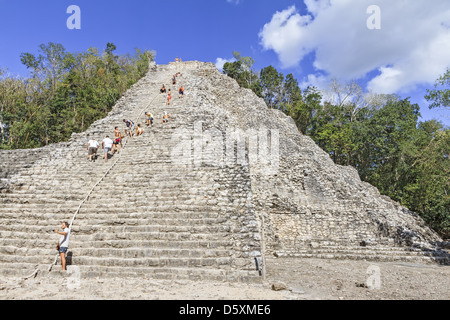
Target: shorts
x=92, y=151
x=117, y=141
x=63, y=250
x=107, y=150
x=165, y=120
x=181, y=93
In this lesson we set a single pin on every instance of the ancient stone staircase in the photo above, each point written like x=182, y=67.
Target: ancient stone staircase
x=155, y=216
x=147, y=217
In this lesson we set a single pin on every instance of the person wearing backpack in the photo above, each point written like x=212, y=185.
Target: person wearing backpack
x=128, y=127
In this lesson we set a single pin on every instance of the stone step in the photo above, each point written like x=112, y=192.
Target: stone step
x=161, y=182
x=110, y=252
x=107, y=215
x=93, y=208
x=166, y=273
x=373, y=257
x=213, y=233
x=138, y=194
x=120, y=229
x=113, y=225
x=12, y=246
x=138, y=172
x=118, y=216
x=395, y=251
x=220, y=263
x=143, y=253
x=137, y=190
x=108, y=261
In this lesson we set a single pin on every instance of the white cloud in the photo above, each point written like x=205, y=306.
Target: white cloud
x=220, y=62
x=236, y=2
x=287, y=35
x=321, y=82
x=410, y=49
x=316, y=6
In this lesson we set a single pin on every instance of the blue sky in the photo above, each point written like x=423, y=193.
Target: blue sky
x=313, y=39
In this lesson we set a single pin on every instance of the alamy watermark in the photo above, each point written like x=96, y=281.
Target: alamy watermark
x=74, y=280
x=212, y=147
x=374, y=280
x=374, y=21
x=74, y=20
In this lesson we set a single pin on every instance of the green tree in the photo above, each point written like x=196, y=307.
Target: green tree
x=440, y=95
x=241, y=70
x=383, y=141
x=49, y=66
x=235, y=70
x=291, y=90
x=66, y=93
x=426, y=175
x=272, y=86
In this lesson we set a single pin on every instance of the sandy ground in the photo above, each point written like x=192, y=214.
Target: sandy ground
x=303, y=279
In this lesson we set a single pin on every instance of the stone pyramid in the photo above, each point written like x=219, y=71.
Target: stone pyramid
x=221, y=191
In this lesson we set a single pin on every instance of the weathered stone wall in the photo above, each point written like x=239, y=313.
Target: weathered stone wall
x=309, y=201
x=15, y=161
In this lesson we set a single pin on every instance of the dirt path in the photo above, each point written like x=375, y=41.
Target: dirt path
x=304, y=279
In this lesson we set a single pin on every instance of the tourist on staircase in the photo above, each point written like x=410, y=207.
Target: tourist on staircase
x=163, y=89
x=181, y=92
x=149, y=120
x=107, y=145
x=166, y=117
x=63, y=243
x=92, y=148
x=169, y=97
x=128, y=127
x=139, y=130
x=118, y=136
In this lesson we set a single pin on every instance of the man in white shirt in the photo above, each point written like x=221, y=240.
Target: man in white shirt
x=63, y=243
x=107, y=145
x=92, y=148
